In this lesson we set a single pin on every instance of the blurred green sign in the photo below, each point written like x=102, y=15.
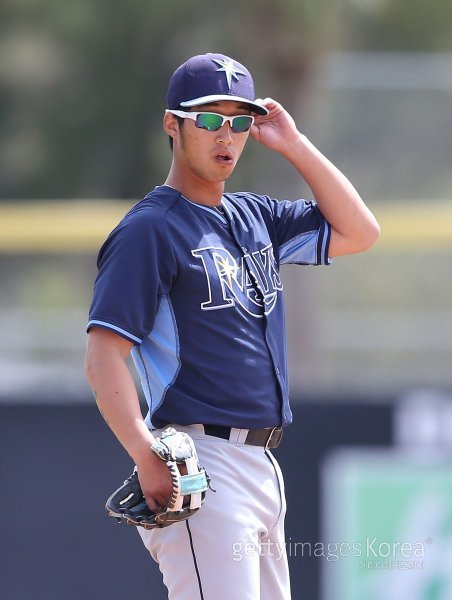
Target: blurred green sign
x=387, y=526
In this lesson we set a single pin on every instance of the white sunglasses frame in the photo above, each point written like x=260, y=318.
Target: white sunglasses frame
x=193, y=115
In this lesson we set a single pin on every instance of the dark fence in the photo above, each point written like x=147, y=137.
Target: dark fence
x=58, y=463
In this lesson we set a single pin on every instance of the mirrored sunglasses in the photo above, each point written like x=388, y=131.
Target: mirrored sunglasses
x=213, y=121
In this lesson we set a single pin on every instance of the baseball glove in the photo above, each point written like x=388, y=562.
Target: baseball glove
x=128, y=503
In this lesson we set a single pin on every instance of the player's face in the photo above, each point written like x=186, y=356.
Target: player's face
x=211, y=155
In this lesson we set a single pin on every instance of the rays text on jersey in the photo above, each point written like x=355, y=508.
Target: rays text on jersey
x=252, y=281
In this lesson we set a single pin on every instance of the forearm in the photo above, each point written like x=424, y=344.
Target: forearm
x=117, y=399
x=353, y=224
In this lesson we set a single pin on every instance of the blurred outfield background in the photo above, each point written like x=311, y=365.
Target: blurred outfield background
x=82, y=91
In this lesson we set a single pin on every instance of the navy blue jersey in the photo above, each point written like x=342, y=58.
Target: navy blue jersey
x=200, y=296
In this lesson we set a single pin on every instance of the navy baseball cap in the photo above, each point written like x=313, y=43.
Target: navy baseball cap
x=209, y=78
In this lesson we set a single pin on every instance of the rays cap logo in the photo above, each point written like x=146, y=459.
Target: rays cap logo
x=209, y=78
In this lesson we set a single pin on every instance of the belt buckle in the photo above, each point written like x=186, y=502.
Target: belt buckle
x=267, y=443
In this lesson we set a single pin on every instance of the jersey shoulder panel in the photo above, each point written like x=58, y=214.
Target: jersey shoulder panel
x=153, y=208
x=145, y=220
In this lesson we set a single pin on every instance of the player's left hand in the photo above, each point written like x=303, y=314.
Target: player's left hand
x=277, y=130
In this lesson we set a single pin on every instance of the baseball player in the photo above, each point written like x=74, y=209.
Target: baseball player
x=189, y=285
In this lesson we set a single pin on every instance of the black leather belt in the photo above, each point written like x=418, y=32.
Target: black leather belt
x=268, y=437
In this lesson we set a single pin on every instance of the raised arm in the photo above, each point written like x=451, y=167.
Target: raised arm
x=353, y=226
x=117, y=400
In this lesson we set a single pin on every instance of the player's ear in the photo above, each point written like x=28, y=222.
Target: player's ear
x=170, y=125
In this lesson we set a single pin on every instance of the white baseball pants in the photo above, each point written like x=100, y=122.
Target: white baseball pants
x=233, y=548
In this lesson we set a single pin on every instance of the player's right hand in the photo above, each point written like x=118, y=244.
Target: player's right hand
x=155, y=481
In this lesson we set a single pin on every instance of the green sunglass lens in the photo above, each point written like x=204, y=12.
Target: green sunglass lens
x=209, y=121
x=213, y=122
x=241, y=124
